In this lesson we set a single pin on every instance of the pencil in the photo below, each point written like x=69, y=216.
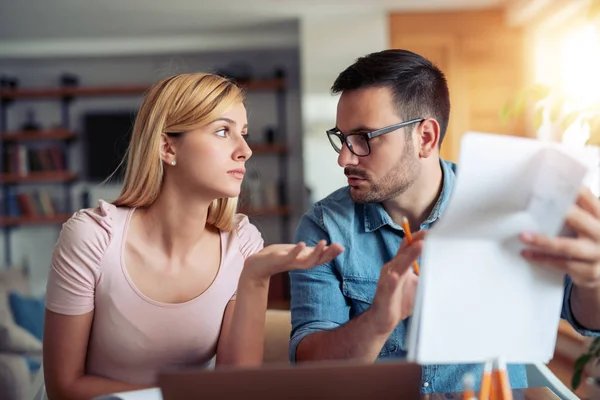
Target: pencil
x=406, y=228
x=468, y=384
x=502, y=380
x=486, y=381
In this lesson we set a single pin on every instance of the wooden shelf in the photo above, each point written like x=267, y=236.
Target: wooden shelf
x=74, y=91
x=265, y=212
x=34, y=220
x=268, y=148
x=90, y=91
x=33, y=177
x=263, y=84
x=31, y=136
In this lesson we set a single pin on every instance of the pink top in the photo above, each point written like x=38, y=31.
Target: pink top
x=132, y=336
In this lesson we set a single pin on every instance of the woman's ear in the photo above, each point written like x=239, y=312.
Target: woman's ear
x=429, y=137
x=167, y=149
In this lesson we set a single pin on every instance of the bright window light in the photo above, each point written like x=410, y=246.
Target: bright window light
x=580, y=66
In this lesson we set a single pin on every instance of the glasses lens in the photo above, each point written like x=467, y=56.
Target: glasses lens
x=358, y=144
x=335, y=140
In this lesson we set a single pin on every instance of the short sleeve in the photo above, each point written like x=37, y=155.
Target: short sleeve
x=250, y=238
x=75, y=261
x=317, y=302
x=567, y=313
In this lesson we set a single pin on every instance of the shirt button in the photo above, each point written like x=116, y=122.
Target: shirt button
x=426, y=384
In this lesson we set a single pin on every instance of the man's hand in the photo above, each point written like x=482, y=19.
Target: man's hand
x=395, y=294
x=579, y=256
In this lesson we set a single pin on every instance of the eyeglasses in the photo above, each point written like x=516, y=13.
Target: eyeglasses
x=358, y=143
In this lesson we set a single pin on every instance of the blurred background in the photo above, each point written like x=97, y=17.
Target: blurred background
x=72, y=75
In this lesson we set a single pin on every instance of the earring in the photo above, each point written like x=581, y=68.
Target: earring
x=173, y=162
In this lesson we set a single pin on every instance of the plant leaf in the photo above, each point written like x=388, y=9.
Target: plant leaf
x=595, y=345
x=520, y=103
x=582, y=360
x=506, y=112
x=576, y=380
x=538, y=92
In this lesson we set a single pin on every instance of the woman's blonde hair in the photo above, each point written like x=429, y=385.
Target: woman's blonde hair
x=177, y=104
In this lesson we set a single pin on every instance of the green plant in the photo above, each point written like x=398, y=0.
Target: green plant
x=592, y=355
x=549, y=106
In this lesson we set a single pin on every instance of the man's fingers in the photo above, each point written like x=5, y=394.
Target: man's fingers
x=403, y=261
x=584, y=223
x=589, y=202
x=417, y=236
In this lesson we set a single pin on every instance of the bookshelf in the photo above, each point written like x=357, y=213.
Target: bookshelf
x=119, y=90
x=38, y=177
x=35, y=220
x=57, y=172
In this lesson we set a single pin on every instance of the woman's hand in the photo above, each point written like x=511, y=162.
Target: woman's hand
x=278, y=258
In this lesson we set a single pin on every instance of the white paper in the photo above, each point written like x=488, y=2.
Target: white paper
x=477, y=297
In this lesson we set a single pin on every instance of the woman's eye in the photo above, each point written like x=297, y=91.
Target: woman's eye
x=246, y=136
x=221, y=132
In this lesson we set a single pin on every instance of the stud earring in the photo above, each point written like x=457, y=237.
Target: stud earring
x=173, y=162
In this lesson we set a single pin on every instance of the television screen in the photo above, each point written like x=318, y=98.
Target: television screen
x=107, y=136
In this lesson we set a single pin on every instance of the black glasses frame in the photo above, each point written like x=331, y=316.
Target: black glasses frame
x=344, y=138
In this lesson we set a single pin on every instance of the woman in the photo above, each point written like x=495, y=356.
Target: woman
x=167, y=275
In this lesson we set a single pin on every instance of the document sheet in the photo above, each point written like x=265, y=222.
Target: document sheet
x=477, y=297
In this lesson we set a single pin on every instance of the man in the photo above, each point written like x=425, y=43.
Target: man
x=391, y=119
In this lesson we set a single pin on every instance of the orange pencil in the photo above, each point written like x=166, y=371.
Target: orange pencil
x=485, y=389
x=502, y=381
x=406, y=228
x=468, y=384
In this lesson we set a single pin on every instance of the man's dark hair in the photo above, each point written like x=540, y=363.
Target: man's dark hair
x=419, y=87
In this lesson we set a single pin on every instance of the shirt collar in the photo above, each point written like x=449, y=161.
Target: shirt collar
x=375, y=215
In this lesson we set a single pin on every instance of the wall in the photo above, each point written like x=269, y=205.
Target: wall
x=483, y=59
x=328, y=46
x=35, y=243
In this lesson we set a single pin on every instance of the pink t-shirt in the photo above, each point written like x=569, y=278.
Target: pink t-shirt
x=132, y=336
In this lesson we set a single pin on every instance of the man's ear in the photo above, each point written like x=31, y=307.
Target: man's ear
x=429, y=137
x=167, y=149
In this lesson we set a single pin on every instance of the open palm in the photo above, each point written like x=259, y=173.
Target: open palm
x=278, y=258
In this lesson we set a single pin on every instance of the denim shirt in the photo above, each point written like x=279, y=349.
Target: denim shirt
x=331, y=294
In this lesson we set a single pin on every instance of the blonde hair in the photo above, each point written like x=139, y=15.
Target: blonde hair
x=176, y=104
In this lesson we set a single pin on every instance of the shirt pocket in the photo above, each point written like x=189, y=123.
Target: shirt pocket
x=360, y=293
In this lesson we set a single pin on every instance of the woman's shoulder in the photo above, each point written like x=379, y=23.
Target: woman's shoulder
x=77, y=258
x=87, y=220
x=248, y=235
x=90, y=228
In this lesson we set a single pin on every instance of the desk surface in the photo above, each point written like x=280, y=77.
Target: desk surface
x=518, y=394
x=541, y=393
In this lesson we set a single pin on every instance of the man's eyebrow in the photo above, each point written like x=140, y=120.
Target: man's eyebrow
x=359, y=129
x=228, y=120
x=363, y=129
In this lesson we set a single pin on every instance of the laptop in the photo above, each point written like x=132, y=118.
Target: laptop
x=335, y=380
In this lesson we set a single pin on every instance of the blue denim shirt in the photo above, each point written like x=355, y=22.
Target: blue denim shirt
x=331, y=294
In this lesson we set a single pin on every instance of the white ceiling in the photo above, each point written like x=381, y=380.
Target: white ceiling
x=79, y=19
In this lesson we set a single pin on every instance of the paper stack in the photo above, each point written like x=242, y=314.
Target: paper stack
x=477, y=297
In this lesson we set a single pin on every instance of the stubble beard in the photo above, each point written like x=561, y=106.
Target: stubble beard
x=395, y=182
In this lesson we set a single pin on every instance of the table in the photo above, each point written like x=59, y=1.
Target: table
x=541, y=393
x=518, y=394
